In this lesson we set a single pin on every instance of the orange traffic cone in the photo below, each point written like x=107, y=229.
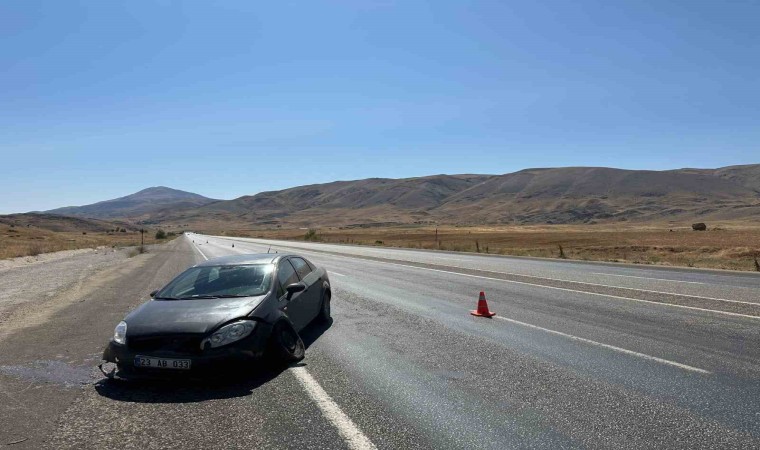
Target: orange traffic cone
x=482, y=310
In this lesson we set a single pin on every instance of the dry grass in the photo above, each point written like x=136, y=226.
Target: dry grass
x=728, y=246
x=31, y=241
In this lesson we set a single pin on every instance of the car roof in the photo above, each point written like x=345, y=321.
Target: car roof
x=251, y=258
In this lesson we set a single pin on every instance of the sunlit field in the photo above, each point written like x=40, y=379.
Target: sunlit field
x=22, y=241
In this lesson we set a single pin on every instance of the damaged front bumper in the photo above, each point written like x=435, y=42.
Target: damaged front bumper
x=118, y=361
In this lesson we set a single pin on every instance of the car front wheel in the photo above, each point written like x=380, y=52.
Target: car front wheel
x=286, y=344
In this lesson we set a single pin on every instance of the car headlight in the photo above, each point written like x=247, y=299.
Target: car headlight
x=120, y=333
x=228, y=334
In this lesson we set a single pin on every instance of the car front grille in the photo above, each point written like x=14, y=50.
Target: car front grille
x=176, y=343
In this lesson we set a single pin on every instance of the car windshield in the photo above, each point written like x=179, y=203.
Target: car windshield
x=219, y=282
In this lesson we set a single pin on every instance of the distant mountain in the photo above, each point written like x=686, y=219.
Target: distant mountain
x=147, y=201
x=339, y=202
x=585, y=194
x=531, y=196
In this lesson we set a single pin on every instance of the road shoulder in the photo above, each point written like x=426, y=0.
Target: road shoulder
x=49, y=350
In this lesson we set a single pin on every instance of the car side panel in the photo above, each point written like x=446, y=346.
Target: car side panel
x=313, y=281
x=297, y=306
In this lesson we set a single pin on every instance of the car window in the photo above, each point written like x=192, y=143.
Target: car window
x=311, y=264
x=302, y=267
x=286, y=275
x=213, y=274
x=219, y=281
x=183, y=284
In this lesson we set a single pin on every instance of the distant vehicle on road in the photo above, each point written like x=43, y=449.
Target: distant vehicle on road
x=233, y=309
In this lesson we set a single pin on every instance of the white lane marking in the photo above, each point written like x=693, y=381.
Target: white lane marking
x=353, y=436
x=569, y=290
x=608, y=346
x=578, y=282
x=583, y=292
x=347, y=429
x=332, y=272
x=647, y=278
x=670, y=305
x=199, y=251
x=618, y=287
x=607, y=285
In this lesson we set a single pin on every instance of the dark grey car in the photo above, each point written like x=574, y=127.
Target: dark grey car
x=224, y=310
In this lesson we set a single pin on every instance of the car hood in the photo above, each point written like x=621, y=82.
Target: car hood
x=187, y=316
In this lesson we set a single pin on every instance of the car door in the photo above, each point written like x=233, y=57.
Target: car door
x=294, y=308
x=313, y=292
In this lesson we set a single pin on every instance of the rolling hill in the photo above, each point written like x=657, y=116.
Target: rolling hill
x=530, y=196
x=138, y=204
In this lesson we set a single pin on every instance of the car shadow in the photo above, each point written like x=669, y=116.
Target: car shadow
x=313, y=331
x=190, y=390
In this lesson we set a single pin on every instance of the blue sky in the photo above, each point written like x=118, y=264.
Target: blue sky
x=101, y=99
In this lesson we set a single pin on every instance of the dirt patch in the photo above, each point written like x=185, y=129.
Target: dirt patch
x=25, y=261
x=31, y=295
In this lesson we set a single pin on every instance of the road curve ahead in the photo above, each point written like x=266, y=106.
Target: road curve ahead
x=578, y=355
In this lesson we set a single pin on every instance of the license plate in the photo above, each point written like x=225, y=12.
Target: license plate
x=162, y=363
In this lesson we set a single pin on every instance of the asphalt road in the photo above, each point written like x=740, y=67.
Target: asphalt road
x=580, y=355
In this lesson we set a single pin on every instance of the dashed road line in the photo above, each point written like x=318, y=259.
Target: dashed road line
x=199, y=251
x=647, y=278
x=592, y=284
x=574, y=281
x=608, y=346
x=671, y=305
x=535, y=327
x=584, y=292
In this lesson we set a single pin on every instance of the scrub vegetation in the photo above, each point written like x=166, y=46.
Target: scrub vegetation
x=311, y=235
x=31, y=235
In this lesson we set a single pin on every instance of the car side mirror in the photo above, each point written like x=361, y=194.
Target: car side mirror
x=293, y=288
x=153, y=294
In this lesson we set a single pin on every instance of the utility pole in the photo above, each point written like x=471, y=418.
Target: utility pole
x=142, y=237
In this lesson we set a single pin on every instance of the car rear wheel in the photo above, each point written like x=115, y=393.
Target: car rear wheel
x=286, y=344
x=324, y=311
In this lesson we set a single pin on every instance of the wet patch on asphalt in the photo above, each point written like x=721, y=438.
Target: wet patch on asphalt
x=54, y=372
